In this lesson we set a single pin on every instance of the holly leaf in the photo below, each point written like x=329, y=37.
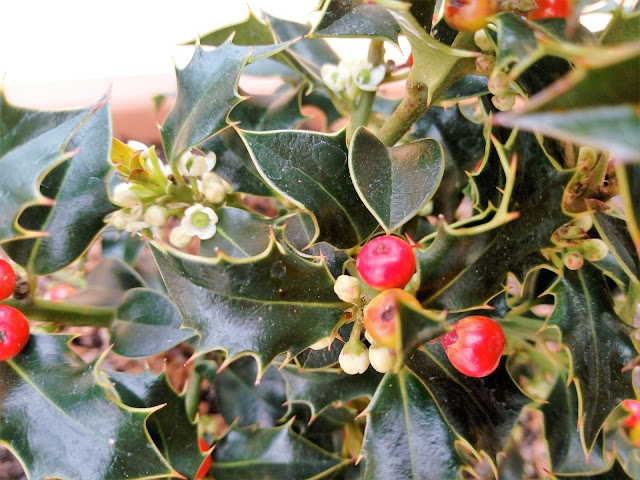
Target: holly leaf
x=239, y=234
x=250, y=31
x=459, y=270
x=599, y=345
x=394, y=183
x=42, y=137
x=80, y=199
x=234, y=163
x=356, y=18
x=86, y=435
x=628, y=178
x=207, y=91
x=483, y=411
x=435, y=65
x=401, y=410
x=147, y=323
x=280, y=111
x=271, y=453
x=243, y=401
x=311, y=170
x=170, y=428
x=262, y=306
x=622, y=28
x=320, y=389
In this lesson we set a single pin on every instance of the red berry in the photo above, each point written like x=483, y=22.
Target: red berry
x=7, y=279
x=386, y=262
x=475, y=345
x=550, y=9
x=469, y=15
x=14, y=332
x=204, y=468
x=410, y=60
x=382, y=314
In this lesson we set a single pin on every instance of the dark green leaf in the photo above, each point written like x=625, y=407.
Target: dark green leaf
x=599, y=344
x=394, y=183
x=355, y=18
x=147, y=323
x=234, y=163
x=622, y=28
x=334, y=258
x=614, y=232
x=241, y=400
x=81, y=202
x=628, y=177
x=266, y=305
x=467, y=87
x=250, y=31
x=61, y=435
x=270, y=453
x=311, y=169
x=206, y=94
x=123, y=247
x=395, y=444
x=459, y=271
x=239, y=234
x=170, y=428
x=280, y=111
x=319, y=389
x=417, y=327
x=481, y=410
x=41, y=137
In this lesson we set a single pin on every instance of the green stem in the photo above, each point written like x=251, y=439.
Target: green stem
x=413, y=105
x=64, y=313
x=192, y=397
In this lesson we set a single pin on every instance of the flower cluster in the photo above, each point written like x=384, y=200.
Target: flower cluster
x=350, y=75
x=153, y=192
x=499, y=83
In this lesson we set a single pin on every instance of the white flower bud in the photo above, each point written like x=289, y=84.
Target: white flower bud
x=196, y=165
x=322, y=343
x=347, y=288
x=155, y=216
x=498, y=83
x=482, y=40
x=354, y=357
x=368, y=336
x=119, y=221
x=381, y=358
x=334, y=77
x=179, y=237
x=124, y=197
x=594, y=249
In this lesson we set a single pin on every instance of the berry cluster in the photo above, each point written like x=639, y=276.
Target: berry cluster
x=14, y=328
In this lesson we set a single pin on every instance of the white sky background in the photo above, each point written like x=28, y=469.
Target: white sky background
x=44, y=41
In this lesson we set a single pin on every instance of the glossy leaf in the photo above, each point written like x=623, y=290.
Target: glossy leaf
x=435, y=64
x=147, y=323
x=234, y=163
x=599, y=344
x=266, y=305
x=250, y=31
x=85, y=435
x=239, y=234
x=311, y=170
x=395, y=445
x=81, y=202
x=356, y=18
x=628, y=177
x=280, y=111
x=394, y=183
x=170, y=428
x=459, y=271
x=481, y=410
x=270, y=453
x=417, y=327
x=622, y=28
x=319, y=389
x=207, y=91
x=241, y=400
x=40, y=136
x=613, y=230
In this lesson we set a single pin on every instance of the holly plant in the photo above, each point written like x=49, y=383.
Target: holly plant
x=440, y=284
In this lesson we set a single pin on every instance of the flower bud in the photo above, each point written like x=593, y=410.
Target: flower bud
x=594, y=249
x=347, y=288
x=322, y=343
x=498, y=83
x=381, y=358
x=485, y=63
x=155, y=216
x=215, y=193
x=354, y=357
x=504, y=102
x=573, y=260
x=482, y=40
x=369, y=338
x=179, y=237
x=124, y=197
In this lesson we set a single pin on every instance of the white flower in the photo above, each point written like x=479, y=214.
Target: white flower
x=179, y=237
x=354, y=357
x=191, y=165
x=124, y=197
x=322, y=343
x=214, y=187
x=155, y=216
x=347, y=288
x=381, y=358
x=199, y=221
x=334, y=77
x=368, y=78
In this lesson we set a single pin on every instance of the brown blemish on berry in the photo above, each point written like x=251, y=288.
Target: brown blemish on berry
x=388, y=314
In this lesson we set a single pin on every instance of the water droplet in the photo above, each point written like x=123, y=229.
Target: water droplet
x=278, y=269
